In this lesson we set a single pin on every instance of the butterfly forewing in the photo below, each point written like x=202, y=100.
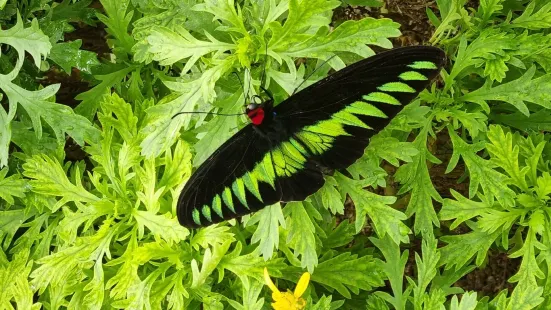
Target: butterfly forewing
x=326, y=125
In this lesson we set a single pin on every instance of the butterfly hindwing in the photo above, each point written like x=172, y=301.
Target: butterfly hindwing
x=226, y=185
x=326, y=125
x=245, y=174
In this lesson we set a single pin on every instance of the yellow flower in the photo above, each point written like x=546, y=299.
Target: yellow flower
x=288, y=300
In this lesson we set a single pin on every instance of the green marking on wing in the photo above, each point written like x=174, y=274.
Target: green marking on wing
x=251, y=183
x=206, y=213
x=413, y=76
x=217, y=205
x=347, y=118
x=396, y=87
x=330, y=127
x=239, y=190
x=364, y=108
x=423, y=65
x=299, y=147
x=196, y=216
x=382, y=98
x=228, y=200
x=316, y=144
x=287, y=159
x=264, y=171
x=290, y=151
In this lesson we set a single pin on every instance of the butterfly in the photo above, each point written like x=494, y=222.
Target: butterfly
x=280, y=155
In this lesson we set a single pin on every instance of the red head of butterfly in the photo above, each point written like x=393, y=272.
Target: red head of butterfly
x=260, y=111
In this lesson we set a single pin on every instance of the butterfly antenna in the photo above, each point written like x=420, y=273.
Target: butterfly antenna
x=265, y=64
x=264, y=73
x=309, y=75
x=248, y=89
x=242, y=86
x=210, y=113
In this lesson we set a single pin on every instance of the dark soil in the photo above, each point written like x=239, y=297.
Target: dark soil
x=411, y=14
x=416, y=28
x=492, y=278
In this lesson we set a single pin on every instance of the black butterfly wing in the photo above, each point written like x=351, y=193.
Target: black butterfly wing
x=244, y=175
x=335, y=117
x=327, y=124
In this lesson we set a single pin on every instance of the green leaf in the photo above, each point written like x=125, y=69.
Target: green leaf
x=251, y=292
x=348, y=272
x=393, y=267
x=460, y=249
x=94, y=299
x=426, y=271
x=117, y=21
x=267, y=232
x=168, y=46
x=69, y=55
x=224, y=10
x=10, y=222
x=127, y=275
x=5, y=136
x=481, y=172
x=162, y=130
x=86, y=214
x=529, y=270
x=490, y=7
x=415, y=178
x=59, y=267
x=324, y=303
x=461, y=209
x=468, y=302
x=530, y=49
x=386, y=220
x=303, y=16
x=301, y=233
x=219, y=129
x=505, y=156
x=25, y=138
x=538, y=121
x=177, y=168
x=75, y=12
x=210, y=236
x=15, y=289
x=139, y=294
x=391, y=150
x=534, y=20
x=516, y=92
x=91, y=99
x=329, y=197
x=525, y=296
x=31, y=40
x=162, y=226
x=211, y=259
x=49, y=178
x=247, y=265
x=375, y=302
x=60, y=118
x=488, y=44
x=12, y=186
x=342, y=235
x=495, y=220
x=350, y=36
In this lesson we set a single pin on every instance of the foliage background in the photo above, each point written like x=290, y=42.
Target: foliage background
x=99, y=231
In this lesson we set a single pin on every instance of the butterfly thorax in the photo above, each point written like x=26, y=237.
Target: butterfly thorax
x=260, y=114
